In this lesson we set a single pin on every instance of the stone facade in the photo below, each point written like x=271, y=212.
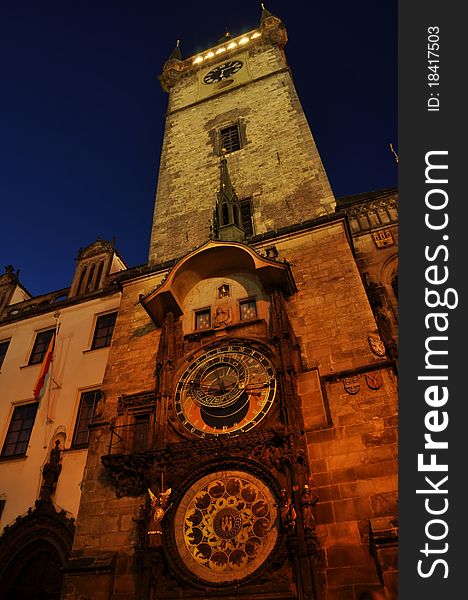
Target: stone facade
x=167, y=508
x=286, y=179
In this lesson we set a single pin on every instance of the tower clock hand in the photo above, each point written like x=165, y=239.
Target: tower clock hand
x=257, y=386
x=221, y=384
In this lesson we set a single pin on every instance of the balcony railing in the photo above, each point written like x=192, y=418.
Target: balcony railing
x=127, y=439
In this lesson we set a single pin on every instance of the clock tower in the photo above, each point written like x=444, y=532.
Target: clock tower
x=245, y=444
x=238, y=95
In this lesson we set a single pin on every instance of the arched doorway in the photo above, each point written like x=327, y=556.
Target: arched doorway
x=33, y=552
x=38, y=575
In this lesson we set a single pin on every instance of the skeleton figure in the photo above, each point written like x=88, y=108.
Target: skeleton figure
x=307, y=503
x=159, y=504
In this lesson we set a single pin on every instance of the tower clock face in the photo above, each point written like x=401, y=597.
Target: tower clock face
x=227, y=69
x=228, y=389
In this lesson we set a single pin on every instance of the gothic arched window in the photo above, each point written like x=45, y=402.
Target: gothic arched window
x=225, y=215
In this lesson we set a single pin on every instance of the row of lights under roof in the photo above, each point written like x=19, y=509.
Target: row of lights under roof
x=230, y=46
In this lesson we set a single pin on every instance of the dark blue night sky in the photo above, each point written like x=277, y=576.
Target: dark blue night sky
x=82, y=112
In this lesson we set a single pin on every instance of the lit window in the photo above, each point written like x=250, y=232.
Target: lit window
x=41, y=343
x=3, y=351
x=103, y=331
x=248, y=309
x=19, y=432
x=203, y=319
x=88, y=403
x=230, y=138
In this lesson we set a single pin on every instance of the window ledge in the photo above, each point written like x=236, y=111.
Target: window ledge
x=13, y=457
x=95, y=349
x=212, y=331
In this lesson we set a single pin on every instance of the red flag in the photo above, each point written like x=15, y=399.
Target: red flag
x=38, y=388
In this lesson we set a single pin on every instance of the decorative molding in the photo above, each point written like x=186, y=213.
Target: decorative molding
x=132, y=474
x=130, y=402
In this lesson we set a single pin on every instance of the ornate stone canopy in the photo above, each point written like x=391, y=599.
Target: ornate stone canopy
x=211, y=259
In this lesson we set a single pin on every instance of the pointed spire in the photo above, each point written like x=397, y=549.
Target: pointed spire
x=226, y=190
x=273, y=30
x=176, y=53
x=226, y=225
x=265, y=13
x=226, y=37
x=172, y=69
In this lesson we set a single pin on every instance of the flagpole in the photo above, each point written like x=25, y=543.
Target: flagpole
x=49, y=421
x=394, y=153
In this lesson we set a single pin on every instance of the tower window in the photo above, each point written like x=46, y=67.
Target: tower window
x=19, y=432
x=224, y=291
x=41, y=343
x=246, y=217
x=230, y=138
x=203, y=319
x=99, y=275
x=225, y=214
x=88, y=403
x=80, y=288
x=248, y=309
x=89, y=284
x=3, y=351
x=141, y=432
x=104, y=329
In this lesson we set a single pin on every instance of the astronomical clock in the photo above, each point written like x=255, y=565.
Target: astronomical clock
x=237, y=352
x=224, y=481
x=228, y=389
x=225, y=526
x=224, y=473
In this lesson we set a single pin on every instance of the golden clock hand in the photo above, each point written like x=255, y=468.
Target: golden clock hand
x=256, y=386
x=221, y=385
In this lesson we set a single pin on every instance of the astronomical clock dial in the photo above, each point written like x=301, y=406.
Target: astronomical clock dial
x=226, y=390
x=224, y=71
x=226, y=526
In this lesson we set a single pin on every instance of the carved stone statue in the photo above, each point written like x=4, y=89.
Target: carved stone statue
x=308, y=501
x=222, y=317
x=288, y=513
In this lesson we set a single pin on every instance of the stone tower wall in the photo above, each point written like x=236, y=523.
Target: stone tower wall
x=278, y=167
